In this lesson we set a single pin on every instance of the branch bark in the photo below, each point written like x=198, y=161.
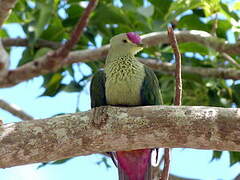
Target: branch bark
x=224, y=73
x=135, y=128
x=54, y=60
x=14, y=110
x=6, y=7
x=201, y=37
x=40, y=65
x=9, y=42
x=155, y=38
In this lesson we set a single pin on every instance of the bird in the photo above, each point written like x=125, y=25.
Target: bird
x=125, y=81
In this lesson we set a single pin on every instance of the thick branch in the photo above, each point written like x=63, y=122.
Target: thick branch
x=155, y=38
x=5, y=9
x=224, y=73
x=134, y=128
x=41, y=65
x=14, y=110
x=201, y=37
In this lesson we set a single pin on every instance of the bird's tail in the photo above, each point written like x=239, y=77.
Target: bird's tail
x=134, y=165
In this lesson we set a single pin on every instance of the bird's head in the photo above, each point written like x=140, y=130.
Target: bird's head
x=127, y=43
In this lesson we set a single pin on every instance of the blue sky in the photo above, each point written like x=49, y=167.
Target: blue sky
x=185, y=162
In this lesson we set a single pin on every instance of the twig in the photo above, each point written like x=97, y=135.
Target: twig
x=215, y=25
x=166, y=168
x=55, y=59
x=230, y=59
x=178, y=73
x=63, y=51
x=15, y=111
x=6, y=7
x=178, y=96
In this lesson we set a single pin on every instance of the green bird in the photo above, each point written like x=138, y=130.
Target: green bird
x=127, y=82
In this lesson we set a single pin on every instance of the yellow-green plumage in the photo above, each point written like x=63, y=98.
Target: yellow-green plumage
x=126, y=82
x=124, y=79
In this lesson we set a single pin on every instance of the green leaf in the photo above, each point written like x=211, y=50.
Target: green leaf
x=236, y=92
x=234, y=157
x=42, y=165
x=222, y=27
x=160, y=8
x=227, y=12
x=44, y=16
x=55, y=31
x=236, y=6
x=211, y=7
x=105, y=162
x=216, y=155
x=193, y=47
x=179, y=6
x=129, y=4
x=70, y=70
x=52, y=84
x=53, y=90
x=73, y=87
x=58, y=162
x=109, y=14
x=54, y=79
x=27, y=56
x=41, y=52
x=13, y=18
x=73, y=13
x=192, y=22
x=3, y=33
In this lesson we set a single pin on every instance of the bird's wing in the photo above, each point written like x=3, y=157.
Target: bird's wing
x=150, y=91
x=97, y=90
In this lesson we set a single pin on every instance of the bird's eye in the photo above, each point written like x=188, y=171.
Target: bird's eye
x=124, y=40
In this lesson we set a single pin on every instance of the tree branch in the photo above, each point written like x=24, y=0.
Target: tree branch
x=224, y=73
x=230, y=59
x=54, y=60
x=201, y=37
x=155, y=38
x=8, y=42
x=178, y=95
x=6, y=7
x=14, y=110
x=135, y=128
x=40, y=65
x=63, y=51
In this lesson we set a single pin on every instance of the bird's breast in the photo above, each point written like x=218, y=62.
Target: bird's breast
x=123, y=83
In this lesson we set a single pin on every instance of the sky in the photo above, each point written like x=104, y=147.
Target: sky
x=185, y=162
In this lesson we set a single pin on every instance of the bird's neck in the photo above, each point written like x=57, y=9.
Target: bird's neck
x=119, y=55
x=124, y=77
x=121, y=64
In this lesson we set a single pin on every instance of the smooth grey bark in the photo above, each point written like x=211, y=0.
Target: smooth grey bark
x=119, y=128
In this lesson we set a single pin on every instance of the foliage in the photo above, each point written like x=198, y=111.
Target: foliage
x=53, y=20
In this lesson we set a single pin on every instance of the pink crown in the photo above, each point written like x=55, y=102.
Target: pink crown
x=134, y=37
